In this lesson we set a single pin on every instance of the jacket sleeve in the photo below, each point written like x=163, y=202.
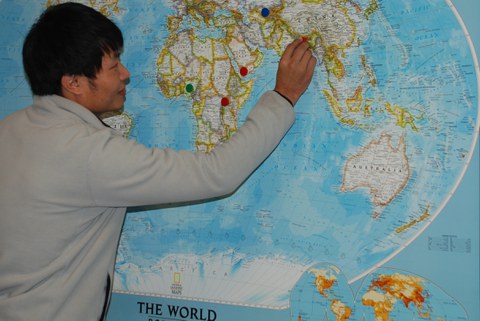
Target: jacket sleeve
x=125, y=173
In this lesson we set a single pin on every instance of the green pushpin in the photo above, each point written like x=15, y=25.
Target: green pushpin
x=189, y=88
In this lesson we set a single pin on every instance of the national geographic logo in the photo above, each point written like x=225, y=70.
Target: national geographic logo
x=176, y=286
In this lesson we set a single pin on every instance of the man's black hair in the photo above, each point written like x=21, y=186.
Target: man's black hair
x=67, y=39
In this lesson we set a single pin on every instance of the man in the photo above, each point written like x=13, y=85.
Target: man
x=66, y=179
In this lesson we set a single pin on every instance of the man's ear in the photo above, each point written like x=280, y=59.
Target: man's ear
x=70, y=85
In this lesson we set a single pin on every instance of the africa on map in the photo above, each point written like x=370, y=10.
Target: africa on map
x=381, y=140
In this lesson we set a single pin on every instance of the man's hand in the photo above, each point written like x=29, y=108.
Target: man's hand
x=295, y=70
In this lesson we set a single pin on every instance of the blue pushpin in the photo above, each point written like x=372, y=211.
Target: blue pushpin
x=265, y=12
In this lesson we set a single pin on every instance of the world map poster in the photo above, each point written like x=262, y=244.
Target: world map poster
x=369, y=207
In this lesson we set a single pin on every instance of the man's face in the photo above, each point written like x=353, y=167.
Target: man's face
x=106, y=93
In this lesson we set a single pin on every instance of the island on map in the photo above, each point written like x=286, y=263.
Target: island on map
x=380, y=168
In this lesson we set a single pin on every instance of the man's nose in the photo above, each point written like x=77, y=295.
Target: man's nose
x=124, y=73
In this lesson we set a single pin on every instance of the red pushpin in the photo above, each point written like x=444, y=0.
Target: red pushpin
x=243, y=71
x=225, y=101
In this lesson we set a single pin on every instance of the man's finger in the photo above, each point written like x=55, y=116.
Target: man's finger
x=302, y=52
x=291, y=48
x=307, y=57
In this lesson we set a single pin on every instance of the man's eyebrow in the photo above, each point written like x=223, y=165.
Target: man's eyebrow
x=116, y=56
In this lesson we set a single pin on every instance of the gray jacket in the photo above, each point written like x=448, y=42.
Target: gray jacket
x=65, y=183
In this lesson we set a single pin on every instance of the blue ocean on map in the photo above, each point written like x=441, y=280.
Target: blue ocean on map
x=382, y=137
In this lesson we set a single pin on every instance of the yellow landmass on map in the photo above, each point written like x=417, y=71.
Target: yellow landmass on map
x=324, y=280
x=341, y=311
x=331, y=29
x=404, y=117
x=371, y=9
x=386, y=290
x=379, y=167
x=211, y=66
x=423, y=217
x=103, y=6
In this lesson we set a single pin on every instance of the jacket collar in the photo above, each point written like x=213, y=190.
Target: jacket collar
x=68, y=108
